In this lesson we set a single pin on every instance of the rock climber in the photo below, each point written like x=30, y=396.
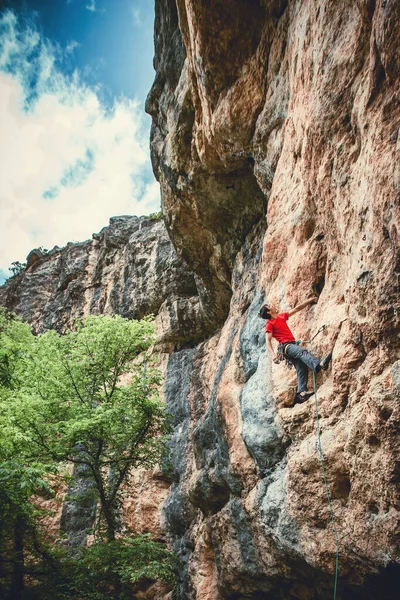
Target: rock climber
x=277, y=328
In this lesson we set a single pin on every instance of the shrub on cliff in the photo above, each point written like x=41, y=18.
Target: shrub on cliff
x=16, y=268
x=155, y=216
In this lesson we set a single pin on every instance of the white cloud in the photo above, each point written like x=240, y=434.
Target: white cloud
x=70, y=47
x=151, y=197
x=136, y=16
x=91, y=6
x=66, y=162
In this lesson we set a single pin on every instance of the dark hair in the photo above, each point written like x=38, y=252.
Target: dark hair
x=264, y=312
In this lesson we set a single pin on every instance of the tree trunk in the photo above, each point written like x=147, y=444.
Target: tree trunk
x=106, y=505
x=110, y=521
x=17, y=581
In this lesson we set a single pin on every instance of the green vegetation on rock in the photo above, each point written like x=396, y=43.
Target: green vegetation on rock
x=155, y=216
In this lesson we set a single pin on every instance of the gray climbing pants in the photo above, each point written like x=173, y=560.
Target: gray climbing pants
x=302, y=360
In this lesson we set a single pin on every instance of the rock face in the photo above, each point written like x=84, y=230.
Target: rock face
x=275, y=141
x=130, y=268
x=275, y=127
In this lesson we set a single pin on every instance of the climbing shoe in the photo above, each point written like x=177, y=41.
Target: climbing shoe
x=324, y=363
x=302, y=397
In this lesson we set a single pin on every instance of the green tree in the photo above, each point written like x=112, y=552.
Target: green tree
x=16, y=340
x=20, y=477
x=19, y=519
x=75, y=408
x=88, y=397
x=16, y=268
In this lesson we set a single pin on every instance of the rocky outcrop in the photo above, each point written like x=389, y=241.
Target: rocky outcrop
x=130, y=268
x=217, y=204
x=288, y=110
x=33, y=257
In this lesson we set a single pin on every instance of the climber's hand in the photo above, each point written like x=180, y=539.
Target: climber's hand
x=276, y=360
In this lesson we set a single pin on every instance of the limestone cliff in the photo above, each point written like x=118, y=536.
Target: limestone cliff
x=275, y=141
x=130, y=268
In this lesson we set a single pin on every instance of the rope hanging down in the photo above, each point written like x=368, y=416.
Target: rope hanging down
x=321, y=458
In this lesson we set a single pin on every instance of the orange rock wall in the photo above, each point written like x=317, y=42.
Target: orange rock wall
x=275, y=140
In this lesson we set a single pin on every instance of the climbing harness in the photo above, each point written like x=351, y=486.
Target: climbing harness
x=321, y=458
x=281, y=353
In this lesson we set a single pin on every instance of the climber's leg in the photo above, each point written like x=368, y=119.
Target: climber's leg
x=302, y=374
x=300, y=354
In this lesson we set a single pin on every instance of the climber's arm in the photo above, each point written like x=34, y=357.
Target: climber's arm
x=270, y=348
x=299, y=307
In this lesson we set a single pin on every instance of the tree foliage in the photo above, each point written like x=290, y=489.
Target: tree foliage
x=16, y=268
x=16, y=339
x=92, y=573
x=89, y=397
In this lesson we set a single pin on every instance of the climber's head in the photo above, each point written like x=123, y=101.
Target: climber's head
x=267, y=311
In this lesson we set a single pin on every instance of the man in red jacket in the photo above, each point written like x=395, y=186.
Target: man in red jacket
x=277, y=328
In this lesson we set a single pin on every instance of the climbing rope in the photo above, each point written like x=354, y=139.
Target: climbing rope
x=321, y=458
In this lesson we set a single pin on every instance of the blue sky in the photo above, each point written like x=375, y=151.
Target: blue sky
x=74, y=75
